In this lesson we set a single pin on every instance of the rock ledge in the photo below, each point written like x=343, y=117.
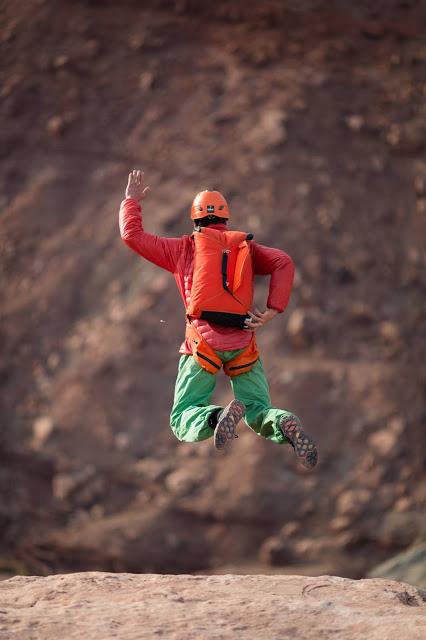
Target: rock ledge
x=97, y=605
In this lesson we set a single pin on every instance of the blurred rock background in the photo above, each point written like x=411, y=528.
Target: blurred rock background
x=311, y=117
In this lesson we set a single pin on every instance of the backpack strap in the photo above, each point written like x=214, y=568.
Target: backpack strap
x=225, y=283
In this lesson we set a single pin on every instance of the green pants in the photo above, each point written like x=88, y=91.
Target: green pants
x=193, y=392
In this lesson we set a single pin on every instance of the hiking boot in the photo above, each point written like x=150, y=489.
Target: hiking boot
x=227, y=422
x=304, y=446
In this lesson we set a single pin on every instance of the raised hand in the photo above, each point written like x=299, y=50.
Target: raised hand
x=135, y=188
x=259, y=318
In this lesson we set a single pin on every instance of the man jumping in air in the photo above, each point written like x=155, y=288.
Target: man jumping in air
x=214, y=269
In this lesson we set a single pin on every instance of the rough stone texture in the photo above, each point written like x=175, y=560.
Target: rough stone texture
x=98, y=605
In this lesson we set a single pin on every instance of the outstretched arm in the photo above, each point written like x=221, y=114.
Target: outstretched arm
x=164, y=252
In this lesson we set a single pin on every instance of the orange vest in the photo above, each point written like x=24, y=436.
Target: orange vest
x=222, y=286
x=221, y=292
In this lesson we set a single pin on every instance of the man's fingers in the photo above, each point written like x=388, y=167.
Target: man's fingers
x=255, y=321
x=250, y=324
x=254, y=316
x=136, y=176
x=145, y=192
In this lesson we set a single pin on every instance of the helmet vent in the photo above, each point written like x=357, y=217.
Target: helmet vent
x=210, y=208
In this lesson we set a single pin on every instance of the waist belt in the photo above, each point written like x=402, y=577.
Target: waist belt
x=208, y=359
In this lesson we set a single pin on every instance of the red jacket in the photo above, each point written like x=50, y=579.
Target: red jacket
x=177, y=256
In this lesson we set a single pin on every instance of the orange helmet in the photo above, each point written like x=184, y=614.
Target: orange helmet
x=209, y=203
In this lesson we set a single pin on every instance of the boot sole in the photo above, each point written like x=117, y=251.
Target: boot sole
x=305, y=448
x=225, y=428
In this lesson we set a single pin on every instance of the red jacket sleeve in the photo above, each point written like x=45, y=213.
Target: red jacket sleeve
x=164, y=252
x=279, y=265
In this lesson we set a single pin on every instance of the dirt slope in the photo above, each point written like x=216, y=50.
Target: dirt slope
x=312, y=122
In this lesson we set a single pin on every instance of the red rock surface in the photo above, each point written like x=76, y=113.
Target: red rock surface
x=104, y=605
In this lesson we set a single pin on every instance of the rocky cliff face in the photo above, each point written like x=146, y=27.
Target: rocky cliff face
x=104, y=605
x=312, y=121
